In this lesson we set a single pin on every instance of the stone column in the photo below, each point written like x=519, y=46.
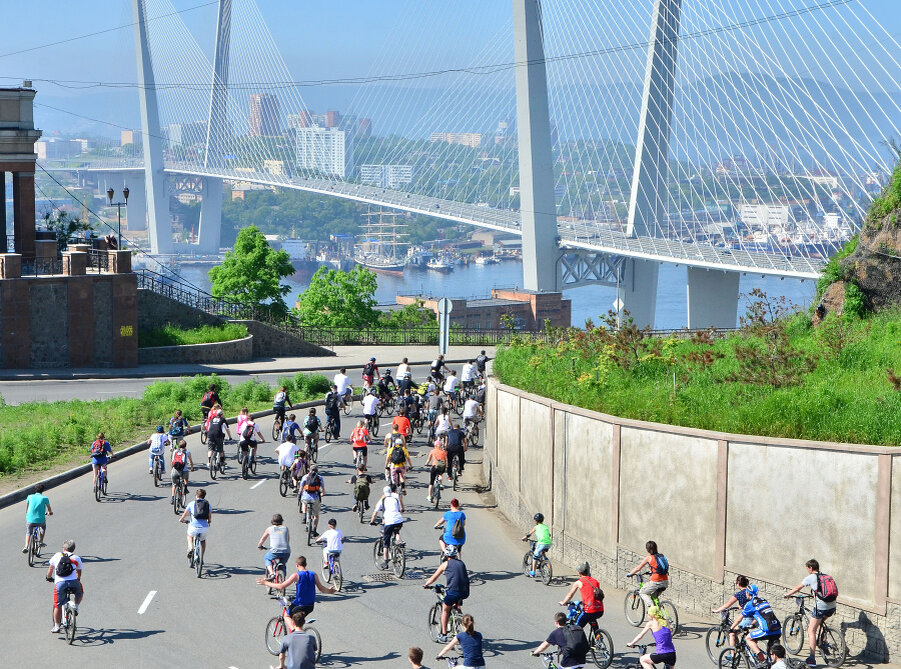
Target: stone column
x=3, y=207
x=23, y=213
x=120, y=261
x=75, y=263
x=10, y=266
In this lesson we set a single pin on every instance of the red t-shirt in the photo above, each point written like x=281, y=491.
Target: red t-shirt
x=359, y=436
x=403, y=424
x=589, y=604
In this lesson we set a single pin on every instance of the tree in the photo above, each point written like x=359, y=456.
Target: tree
x=252, y=272
x=63, y=226
x=337, y=299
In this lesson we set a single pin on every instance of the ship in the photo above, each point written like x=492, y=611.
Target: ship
x=381, y=249
x=439, y=264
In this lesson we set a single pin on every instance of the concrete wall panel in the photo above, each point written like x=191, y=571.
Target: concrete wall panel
x=536, y=463
x=894, y=564
x=589, y=468
x=787, y=505
x=508, y=446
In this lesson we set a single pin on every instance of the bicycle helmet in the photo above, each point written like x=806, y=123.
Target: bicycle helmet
x=752, y=590
x=538, y=518
x=314, y=469
x=387, y=372
x=584, y=569
x=371, y=359
x=386, y=490
x=450, y=551
x=160, y=428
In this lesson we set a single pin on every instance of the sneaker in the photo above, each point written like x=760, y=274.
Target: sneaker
x=442, y=638
x=25, y=550
x=810, y=661
x=428, y=499
x=531, y=574
x=190, y=552
x=356, y=506
x=54, y=629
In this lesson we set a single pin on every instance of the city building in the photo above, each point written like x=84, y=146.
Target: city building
x=274, y=166
x=185, y=134
x=364, y=129
x=470, y=139
x=130, y=137
x=264, y=114
x=328, y=151
x=332, y=119
x=58, y=149
x=301, y=120
x=528, y=309
x=386, y=176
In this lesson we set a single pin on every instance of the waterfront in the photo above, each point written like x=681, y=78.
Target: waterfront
x=588, y=301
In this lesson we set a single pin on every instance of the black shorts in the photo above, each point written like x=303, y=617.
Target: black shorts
x=245, y=444
x=306, y=608
x=216, y=444
x=667, y=658
x=435, y=472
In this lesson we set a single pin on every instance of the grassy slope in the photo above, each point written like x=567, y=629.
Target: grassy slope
x=170, y=335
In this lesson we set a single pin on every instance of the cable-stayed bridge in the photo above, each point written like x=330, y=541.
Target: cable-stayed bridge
x=727, y=136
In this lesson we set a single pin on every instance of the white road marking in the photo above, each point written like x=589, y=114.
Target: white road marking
x=257, y=485
x=146, y=603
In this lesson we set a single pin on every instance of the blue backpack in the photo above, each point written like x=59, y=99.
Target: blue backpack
x=662, y=568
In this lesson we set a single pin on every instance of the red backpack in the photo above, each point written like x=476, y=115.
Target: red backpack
x=826, y=590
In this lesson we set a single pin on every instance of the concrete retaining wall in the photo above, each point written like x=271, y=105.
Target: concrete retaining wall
x=270, y=342
x=237, y=350
x=717, y=504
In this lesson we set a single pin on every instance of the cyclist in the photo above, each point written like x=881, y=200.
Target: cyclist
x=241, y=420
x=481, y=362
x=664, y=651
x=65, y=573
x=592, y=597
x=285, y=452
x=250, y=437
x=442, y=424
x=402, y=424
x=571, y=641
x=455, y=441
x=472, y=412
x=542, y=540
x=470, y=643
x=178, y=428
x=397, y=459
x=450, y=385
x=101, y=454
x=333, y=410
x=157, y=443
x=760, y=617
x=741, y=597
x=480, y=392
x=299, y=468
x=370, y=372
x=181, y=458
x=342, y=385
x=403, y=368
x=201, y=518
x=359, y=441
x=825, y=593
x=297, y=649
x=467, y=375
x=290, y=428
x=37, y=508
x=407, y=402
x=456, y=589
x=307, y=584
x=217, y=429
x=279, y=543
x=387, y=386
x=333, y=542
x=436, y=367
x=311, y=427
x=437, y=463
x=392, y=507
x=371, y=406
x=659, y=566
x=362, y=483
x=454, y=523
x=209, y=400
x=312, y=488
x=279, y=403
x=435, y=404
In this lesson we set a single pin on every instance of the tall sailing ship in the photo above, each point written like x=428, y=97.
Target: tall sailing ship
x=381, y=248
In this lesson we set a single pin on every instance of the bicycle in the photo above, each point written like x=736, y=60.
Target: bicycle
x=275, y=630
x=284, y=481
x=204, y=435
x=718, y=635
x=372, y=424
x=308, y=521
x=332, y=570
x=642, y=650
x=601, y=651
x=101, y=483
x=418, y=423
x=472, y=432
x=276, y=571
x=216, y=464
x=347, y=402
x=829, y=642
x=196, y=556
x=455, y=472
x=178, y=499
x=157, y=470
x=550, y=658
x=741, y=656
x=436, y=490
x=312, y=443
x=277, y=430
x=452, y=661
x=397, y=556
x=543, y=567
x=34, y=548
x=248, y=463
x=454, y=620
x=68, y=620
x=387, y=406
x=634, y=607
x=329, y=431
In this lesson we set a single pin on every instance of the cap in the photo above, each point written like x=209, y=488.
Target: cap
x=371, y=359
x=160, y=428
x=386, y=490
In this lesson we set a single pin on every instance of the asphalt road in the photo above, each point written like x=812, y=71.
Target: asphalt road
x=133, y=546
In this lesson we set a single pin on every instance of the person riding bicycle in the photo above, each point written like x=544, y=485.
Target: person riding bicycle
x=571, y=641
x=37, y=508
x=342, y=385
x=456, y=444
x=434, y=403
x=441, y=424
x=407, y=402
x=401, y=423
x=65, y=573
x=201, y=514
x=250, y=437
x=664, y=651
x=397, y=459
x=216, y=429
x=825, y=592
x=370, y=373
x=480, y=392
x=181, y=459
x=371, y=406
x=178, y=427
x=454, y=524
x=333, y=410
x=290, y=428
x=279, y=544
x=470, y=643
x=542, y=540
x=437, y=464
x=279, y=403
x=305, y=595
x=392, y=507
x=456, y=586
x=403, y=368
x=299, y=468
x=209, y=400
x=592, y=597
x=311, y=427
x=157, y=442
x=285, y=453
x=362, y=483
x=659, y=566
x=481, y=363
x=312, y=488
x=332, y=541
x=435, y=369
x=386, y=386
x=359, y=441
x=101, y=454
x=758, y=615
x=241, y=419
x=740, y=598
x=450, y=385
x=472, y=412
x=467, y=375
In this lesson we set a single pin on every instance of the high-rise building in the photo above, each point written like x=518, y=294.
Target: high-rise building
x=386, y=176
x=185, y=134
x=53, y=148
x=364, y=129
x=325, y=150
x=264, y=112
x=301, y=120
x=130, y=137
x=332, y=119
x=470, y=139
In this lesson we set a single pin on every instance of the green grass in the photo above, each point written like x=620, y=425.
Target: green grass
x=847, y=398
x=37, y=435
x=171, y=335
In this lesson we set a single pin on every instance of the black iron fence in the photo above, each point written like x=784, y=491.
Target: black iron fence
x=42, y=267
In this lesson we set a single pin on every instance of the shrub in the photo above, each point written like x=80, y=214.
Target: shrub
x=172, y=335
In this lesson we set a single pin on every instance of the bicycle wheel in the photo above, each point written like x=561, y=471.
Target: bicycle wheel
x=419, y=424
x=527, y=563
x=211, y=464
x=375, y=428
x=793, y=633
x=348, y=405
x=222, y=463
x=310, y=533
x=33, y=549
x=361, y=507
x=457, y=406
x=328, y=433
x=377, y=550
x=732, y=659
x=455, y=474
x=474, y=436
x=338, y=576
x=398, y=561
x=275, y=630
x=103, y=484
x=547, y=572
x=253, y=465
x=434, y=622
x=717, y=638
x=833, y=647
x=315, y=633
x=198, y=558
x=672, y=616
x=276, y=431
x=326, y=573
x=633, y=607
x=157, y=473
x=71, y=625
x=602, y=648
x=283, y=484
x=245, y=466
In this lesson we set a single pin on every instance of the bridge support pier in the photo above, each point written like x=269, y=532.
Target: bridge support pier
x=210, y=217
x=638, y=290
x=136, y=211
x=712, y=298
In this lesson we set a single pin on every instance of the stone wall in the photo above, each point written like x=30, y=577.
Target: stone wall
x=717, y=505
x=156, y=310
x=270, y=342
x=237, y=350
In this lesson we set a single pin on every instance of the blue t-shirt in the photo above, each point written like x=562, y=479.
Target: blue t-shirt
x=741, y=597
x=306, y=589
x=472, y=649
x=762, y=613
x=36, y=505
x=102, y=459
x=450, y=517
x=288, y=432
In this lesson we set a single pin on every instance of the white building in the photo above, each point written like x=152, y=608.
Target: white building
x=386, y=176
x=325, y=150
x=767, y=217
x=57, y=149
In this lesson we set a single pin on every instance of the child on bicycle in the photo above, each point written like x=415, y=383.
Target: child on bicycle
x=542, y=540
x=362, y=483
x=333, y=538
x=299, y=468
x=659, y=566
x=397, y=459
x=359, y=441
x=664, y=652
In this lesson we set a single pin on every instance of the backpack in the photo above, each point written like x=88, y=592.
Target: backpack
x=176, y=427
x=178, y=459
x=576, y=643
x=280, y=397
x=361, y=489
x=458, y=531
x=827, y=590
x=662, y=568
x=398, y=457
x=331, y=401
x=312, y=485
x=248, y=432
x=64, y=567
x=440, y=466
x=201, y=509
x=369, y=369
x=207, y=400
x=97, y=449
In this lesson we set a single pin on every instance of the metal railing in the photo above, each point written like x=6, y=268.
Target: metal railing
x=42, y=267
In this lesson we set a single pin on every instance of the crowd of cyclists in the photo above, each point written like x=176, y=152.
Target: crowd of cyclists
x=429, y=405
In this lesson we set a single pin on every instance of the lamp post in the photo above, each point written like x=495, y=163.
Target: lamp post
x=109, y=194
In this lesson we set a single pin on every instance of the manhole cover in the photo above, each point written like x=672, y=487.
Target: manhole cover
x=389, y=577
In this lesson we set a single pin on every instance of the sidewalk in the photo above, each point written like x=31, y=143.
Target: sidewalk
x=351, y=357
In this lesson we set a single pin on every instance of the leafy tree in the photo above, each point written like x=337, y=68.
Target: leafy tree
x=413, y=315
x=337, y=299
x=64, y=226
x=252, y=272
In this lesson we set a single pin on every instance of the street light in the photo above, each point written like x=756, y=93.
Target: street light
x=109, y=194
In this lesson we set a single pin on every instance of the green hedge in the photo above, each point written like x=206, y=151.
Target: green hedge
x=171, y=335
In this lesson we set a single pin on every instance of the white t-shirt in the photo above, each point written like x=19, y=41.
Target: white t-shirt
x=450, y=384
x=334, y=540
x=199, y=524
x=158, y=443
x=286, y=453
x=390, y=506
x=467, y=372
x=811, y=582
x=370, y=405
x=256, y=436
x=278, y=538
x=780, y=665
x=442, y=423
x=401, y=370
x=470, y=409
x=76, y=562
x=341, y=380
